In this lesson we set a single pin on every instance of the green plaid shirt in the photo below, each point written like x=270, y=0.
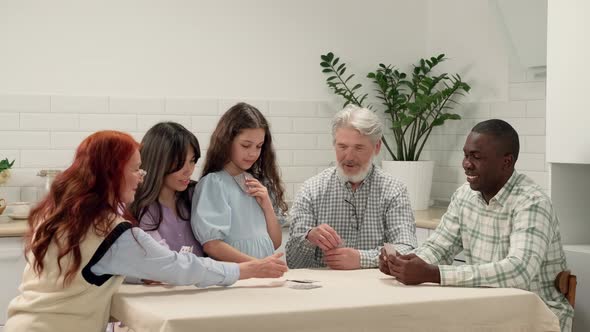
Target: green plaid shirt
x=513, y=241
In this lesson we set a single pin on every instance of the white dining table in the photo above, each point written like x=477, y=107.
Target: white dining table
x=359, y=300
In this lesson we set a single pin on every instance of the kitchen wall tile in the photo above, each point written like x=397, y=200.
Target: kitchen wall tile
x=49, y=121
x=526, y=91
x=192, y=106
x=327, y=109
x=24, y=139
x=137, y=105
x=531, y=162
x=528, y=126
x=280, y=124
x=312, y=125
x=94, y=122
x=79, y=104
x=313, y=157
x=294, y=141
x=9, y=121
x=68, y=139
x=297, y=174
x=533, y=144
x=146, y=121
x=46, y=158
x=510, y=109
x=24, y=103
x=293, y=108
x=535, y=108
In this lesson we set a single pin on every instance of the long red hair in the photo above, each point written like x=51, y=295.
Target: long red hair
x=83, y=197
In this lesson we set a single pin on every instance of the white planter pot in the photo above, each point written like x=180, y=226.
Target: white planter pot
x=417, y=176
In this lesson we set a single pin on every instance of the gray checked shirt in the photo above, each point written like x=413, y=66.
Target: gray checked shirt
x=377, y=212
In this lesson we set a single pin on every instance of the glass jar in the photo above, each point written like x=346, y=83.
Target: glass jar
x=49, y=175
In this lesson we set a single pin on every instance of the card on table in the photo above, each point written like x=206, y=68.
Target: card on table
x=304, y=286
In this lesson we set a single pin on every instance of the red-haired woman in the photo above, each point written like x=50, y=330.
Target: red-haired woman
x=81, y=245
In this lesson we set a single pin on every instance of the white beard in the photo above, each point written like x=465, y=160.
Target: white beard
x=355, y=178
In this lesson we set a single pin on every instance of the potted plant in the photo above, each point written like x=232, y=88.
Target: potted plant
x=413, y=106
x=5, y=165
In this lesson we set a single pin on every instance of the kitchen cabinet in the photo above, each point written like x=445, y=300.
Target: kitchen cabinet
x=12, y=264
x=567, y=90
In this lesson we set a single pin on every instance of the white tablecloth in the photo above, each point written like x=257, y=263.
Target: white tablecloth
x=362, y=300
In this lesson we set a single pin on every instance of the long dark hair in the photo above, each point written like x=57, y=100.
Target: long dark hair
x=83, y=197
x=239, y=117
x=163, y=152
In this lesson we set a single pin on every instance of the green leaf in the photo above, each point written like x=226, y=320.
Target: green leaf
x=327, y=70
x=437, y=122
x=325, y=64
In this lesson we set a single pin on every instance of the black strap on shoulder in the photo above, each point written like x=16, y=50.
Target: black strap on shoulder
x=92, y=278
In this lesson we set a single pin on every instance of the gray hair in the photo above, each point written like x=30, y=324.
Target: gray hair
x=359, y=118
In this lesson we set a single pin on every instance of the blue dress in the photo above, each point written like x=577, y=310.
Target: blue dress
x=222, y=211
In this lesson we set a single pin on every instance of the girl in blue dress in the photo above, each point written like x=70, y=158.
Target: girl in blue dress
x=238, y=205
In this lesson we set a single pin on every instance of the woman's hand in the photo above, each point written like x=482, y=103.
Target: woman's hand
x=269, y=267
x=150, y=282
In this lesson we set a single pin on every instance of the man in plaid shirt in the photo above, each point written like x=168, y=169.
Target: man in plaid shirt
x=343, y=216
x=502, y=221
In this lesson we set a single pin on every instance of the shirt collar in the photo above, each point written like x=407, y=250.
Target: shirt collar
x=503, y=194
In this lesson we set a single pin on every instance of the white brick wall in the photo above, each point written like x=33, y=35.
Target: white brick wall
x=41, y=131
x=525, y=110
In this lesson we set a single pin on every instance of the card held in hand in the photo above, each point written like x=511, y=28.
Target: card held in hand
x=241, y=180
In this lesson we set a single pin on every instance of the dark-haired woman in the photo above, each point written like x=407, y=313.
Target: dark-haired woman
x=169, y=153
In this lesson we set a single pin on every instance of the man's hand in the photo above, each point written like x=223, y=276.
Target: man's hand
x=412, y=270
x=383, y=267
x=324, y=237
x=343, y=259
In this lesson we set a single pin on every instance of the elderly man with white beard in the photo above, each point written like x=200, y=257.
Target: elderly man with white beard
x=342, y=217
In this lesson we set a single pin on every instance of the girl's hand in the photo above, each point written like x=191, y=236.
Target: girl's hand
x=259, y=192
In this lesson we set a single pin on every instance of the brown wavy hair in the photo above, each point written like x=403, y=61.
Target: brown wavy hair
x=83, y=197
x=239, y=117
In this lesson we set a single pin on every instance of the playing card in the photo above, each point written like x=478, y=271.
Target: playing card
x=241, y=180
x=186, y=249
x=302, y=281
x=304, y=286
x=389, y=249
